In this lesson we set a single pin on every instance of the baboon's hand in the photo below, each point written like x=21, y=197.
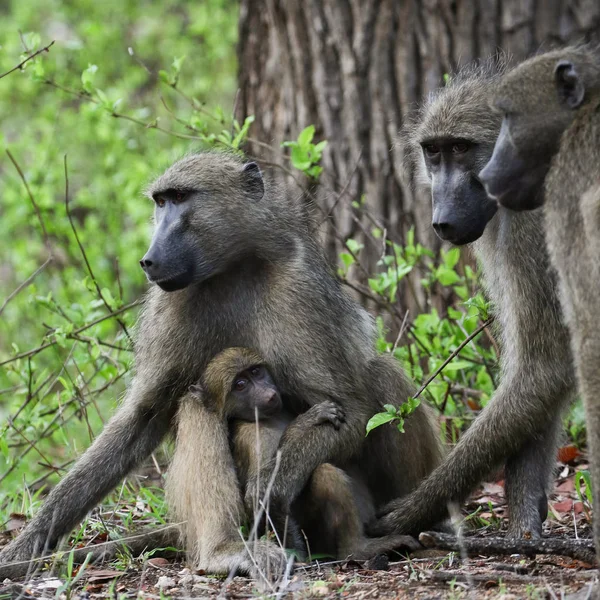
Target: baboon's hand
x=265, y=561
x=391, y=519
x=326, y=412
x=25, y=547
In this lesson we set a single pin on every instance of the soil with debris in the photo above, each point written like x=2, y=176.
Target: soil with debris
x=424, y=574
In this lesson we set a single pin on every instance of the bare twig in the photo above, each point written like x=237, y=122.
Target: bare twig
x=35, y=206
x=23, y=285
x=165, y=537
x=579, y=549
x=73, y=334
x=26, y=60
x=453, y=355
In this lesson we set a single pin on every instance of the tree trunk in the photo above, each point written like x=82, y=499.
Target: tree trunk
x=355, y=68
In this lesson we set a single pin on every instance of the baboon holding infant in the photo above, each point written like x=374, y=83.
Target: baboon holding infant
x=331, y=510
x=548, y=152
x=446, y=146
x=235, y=262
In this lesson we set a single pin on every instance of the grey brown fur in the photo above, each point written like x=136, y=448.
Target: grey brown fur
x=245, y=270
x=554, y=126
x=520, y=424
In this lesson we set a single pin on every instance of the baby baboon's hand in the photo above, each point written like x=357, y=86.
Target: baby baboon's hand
x=326, y=412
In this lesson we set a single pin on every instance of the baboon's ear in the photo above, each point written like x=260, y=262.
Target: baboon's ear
x=569, y=84
x=253, y=180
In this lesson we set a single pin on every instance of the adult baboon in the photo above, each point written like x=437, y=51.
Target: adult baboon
x=333, y=507
x=551, y=130
x=446, y=145
x=235, y=262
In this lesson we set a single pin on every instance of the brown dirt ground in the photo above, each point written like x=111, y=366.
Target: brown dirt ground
x=425, y=574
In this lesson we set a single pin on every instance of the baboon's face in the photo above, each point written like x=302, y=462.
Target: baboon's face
x=461, y=208
x=253, y=395
x=538, y=101
x=205, y=210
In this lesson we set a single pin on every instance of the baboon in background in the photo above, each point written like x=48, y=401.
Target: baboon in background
x=236, y=262
x=551, y=129
x=446, y=146
x=333, y=507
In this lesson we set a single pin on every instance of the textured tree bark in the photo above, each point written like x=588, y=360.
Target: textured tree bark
x=355, y=69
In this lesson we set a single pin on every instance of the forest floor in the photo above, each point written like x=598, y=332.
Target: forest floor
x=428, y=573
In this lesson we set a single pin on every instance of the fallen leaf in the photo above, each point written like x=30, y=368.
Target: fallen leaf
x=564, y=506
x=95, y=575
x=158, y=562
x=567, y=486
x=15, y=521
x=567, y=454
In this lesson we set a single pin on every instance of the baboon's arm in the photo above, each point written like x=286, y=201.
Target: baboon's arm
x=520, y=411
x=307, y=443
x=129, y=437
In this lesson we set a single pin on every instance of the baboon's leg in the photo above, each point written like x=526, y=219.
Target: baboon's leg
x=528, y=478
x=504, y=427
x=589, y=375
x=204, y=494
x=586, y=343
x=129, y=437
x=254, y=446
x=332, y=505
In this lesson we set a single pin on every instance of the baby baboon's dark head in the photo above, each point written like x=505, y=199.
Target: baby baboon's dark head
x=240, y=385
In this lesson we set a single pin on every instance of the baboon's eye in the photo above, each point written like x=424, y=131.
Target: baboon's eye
x=240, y=384
x=180, y=197
x=431, y=149
x=160, y=202
x=460, y=147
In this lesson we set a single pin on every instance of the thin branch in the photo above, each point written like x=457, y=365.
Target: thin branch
x=83, y=253
x=453, y=355
x=35, y=206
x=165, y=537
x=23, y=285
x=31, y=57
x=473, y=546
x=74, y=333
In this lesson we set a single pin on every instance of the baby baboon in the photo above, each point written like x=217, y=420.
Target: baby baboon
x=236, y=262
x=333, y=507
x=551, y=129
x=446, y=145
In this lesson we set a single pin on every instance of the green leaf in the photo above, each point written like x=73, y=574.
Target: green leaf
x=584, y=477
x=452, y=257
x=347, y=259
x=354, y=246
x=300, y=158
x=447, y=276
x=87, y=78
x=379, y=419
x=458, y=365
x=306, y=135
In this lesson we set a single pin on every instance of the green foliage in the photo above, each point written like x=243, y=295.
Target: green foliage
x=127, y=88
x=585, y=494
x=466, y=383
x=98, y=96
x=305, y=155
x=393, y=414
